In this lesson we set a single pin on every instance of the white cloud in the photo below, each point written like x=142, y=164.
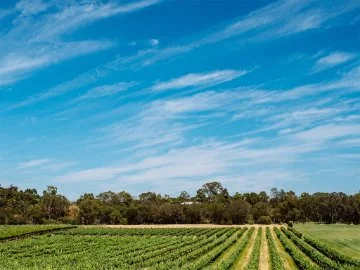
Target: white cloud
x=348, y=82
x=199, y=80
x=154, y=42
x=355, y=142
x=206, y=160
x=31, y=7
x=78, y=15
x=328, y=132
x=45, y=164
x=16, y=66
x=276, y=20
x=107, y=90
x=268, y=22
x=298, y=119
x=34, y=163
x=192, y=104
x=164, y=123
x=332, y=60
x=32, y=44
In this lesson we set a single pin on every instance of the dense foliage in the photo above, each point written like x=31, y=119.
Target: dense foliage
x=211, y=204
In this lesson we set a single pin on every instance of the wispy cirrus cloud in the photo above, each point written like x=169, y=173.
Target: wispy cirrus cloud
x=16, y=66
x=154, y=42
x=32, y=44
x=348, y=81
x=199, y=80
x=34, y=163
x=45, y=164
x=31, y=7
x=329, y=132
x=276, y=20
x=163, y=123
x=78, y=15
x=333, y=59
x=107, y=90
x=353, y=142
x=209, y=101
x=207, y=160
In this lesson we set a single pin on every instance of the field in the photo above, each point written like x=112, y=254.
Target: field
x=9, y=231
x=345, y=238
x=168, y=247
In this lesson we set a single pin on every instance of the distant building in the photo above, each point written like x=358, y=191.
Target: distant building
x=187, y=203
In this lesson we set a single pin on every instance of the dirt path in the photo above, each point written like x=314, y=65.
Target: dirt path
x=288, y=262
x=245, y=256
x=264, y=262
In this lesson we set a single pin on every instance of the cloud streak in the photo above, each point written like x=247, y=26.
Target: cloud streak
x=332, y=60
x=107, y=90
x=280, y=19
x=34, y=163
x=44, y=164
x=33, y=44
x=199, y=80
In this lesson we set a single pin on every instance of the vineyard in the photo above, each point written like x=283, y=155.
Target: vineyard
x=248, y=247
x=15, y=231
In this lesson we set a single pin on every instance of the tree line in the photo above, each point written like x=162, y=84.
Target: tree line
x=211, y=204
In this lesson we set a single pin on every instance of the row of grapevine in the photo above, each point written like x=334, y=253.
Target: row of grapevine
x=297, y=233
x=140, y=231
x=314, y=254
x=215, y=253
x=329, y=252
x=14, y=231
x=53, y=243
x=146, y=255
x=210, y=248
x=212, y=255
x=195, y=252
x=299, y=258
x=229, y=261
x=130, y=250
x=255, y=254
x=164, y=256
x=275, y=259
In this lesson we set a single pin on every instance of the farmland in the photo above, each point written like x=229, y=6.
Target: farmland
x=345, y=238
x=198, y=247
x=12, y=231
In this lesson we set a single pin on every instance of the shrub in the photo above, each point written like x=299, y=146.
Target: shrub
x=290, y=224
x=123, y=221
x=250, y=220
x=264, y=220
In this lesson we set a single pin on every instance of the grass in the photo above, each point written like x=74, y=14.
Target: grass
x=342, y=237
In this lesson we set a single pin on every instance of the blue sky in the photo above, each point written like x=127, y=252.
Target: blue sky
x=164, y=96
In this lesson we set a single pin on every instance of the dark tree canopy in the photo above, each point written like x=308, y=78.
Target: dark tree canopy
x=211, y=204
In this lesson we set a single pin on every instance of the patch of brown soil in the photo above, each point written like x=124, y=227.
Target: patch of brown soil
x=264, y=262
